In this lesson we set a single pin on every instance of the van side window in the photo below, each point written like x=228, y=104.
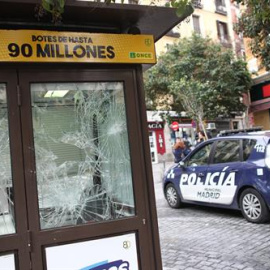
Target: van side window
x=248, y=146
x=201, y=157
x=227, y=151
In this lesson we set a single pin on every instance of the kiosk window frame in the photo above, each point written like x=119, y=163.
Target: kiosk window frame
x=34, y=240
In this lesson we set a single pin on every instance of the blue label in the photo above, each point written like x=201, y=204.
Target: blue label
x=120, y=265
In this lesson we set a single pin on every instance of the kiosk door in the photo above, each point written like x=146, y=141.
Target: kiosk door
x=77, y=172
x=14, y=228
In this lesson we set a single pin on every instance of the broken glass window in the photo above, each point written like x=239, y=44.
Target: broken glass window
x=82, y=153
x=7, y=220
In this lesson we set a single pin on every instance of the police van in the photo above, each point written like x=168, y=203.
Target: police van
x=230, y=171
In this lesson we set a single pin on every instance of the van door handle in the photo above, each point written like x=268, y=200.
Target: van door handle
x=234, y=170
x=201, y=174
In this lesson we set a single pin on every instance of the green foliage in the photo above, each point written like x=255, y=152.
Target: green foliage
x=53, y=7
x=184, y=8
x=201, y=76
x=254, y=23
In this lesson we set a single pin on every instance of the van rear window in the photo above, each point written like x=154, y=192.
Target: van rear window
x=248, y=145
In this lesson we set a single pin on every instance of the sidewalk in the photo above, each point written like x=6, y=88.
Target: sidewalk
x=160, y=168
x=158, y=171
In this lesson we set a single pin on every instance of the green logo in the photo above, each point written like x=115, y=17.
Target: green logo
x=141, y=55
x=148, y=42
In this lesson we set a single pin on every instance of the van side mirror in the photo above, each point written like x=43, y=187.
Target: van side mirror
x=182, y=165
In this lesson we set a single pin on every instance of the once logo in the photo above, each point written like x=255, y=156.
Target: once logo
x=140, y=55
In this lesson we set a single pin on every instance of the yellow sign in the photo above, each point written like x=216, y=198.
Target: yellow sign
x=49, y=46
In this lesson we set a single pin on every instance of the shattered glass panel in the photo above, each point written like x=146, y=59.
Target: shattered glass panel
x=82, y=153
x=7, y=220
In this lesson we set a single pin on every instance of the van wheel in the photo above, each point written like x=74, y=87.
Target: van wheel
x=172, y=196
x=253, y=207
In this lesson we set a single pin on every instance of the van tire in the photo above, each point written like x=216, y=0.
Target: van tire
x=172, y=196
x=253, y=206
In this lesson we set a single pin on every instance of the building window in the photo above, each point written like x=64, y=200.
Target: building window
x=235, y=124
x=196, y=24
x=221, y=7
x=197, y=4
x=222, y=30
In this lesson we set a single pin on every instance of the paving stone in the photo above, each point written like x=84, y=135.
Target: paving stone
x=238, y=266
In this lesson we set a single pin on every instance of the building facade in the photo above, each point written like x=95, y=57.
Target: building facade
x=259, y=107
x=213, y=19
x=259, y=96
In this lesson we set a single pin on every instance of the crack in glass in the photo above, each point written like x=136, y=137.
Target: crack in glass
x=7, y=220
x=82, y=153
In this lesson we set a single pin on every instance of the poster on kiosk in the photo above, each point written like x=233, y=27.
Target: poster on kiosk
x=113, y=253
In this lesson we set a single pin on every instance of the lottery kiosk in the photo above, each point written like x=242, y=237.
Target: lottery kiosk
x=76, y=188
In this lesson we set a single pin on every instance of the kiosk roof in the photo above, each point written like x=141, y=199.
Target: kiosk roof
x=85, y=16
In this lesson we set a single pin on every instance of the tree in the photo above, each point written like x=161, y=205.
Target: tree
x=202, y=76
x=254, y=23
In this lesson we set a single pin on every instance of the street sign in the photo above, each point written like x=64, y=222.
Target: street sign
x=175, y=126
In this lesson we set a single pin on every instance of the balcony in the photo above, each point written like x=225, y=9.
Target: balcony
x=221, y=9
x=197, y=4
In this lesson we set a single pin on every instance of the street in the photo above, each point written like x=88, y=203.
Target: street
x=202, y=238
